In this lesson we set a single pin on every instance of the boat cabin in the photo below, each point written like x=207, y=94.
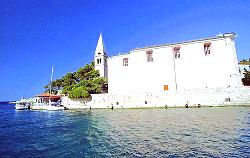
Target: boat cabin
x=45, y=98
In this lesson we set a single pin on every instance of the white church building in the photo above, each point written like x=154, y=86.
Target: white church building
x=189, y=65
x=194, y=73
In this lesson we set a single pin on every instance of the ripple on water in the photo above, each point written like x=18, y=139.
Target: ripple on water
x=203, y=132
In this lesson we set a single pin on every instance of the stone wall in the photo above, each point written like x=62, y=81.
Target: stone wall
x=204, y=97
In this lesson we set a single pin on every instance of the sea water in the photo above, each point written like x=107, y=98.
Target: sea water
x=172, y=132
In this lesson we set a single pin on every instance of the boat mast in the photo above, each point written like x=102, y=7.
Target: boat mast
x=51, y=76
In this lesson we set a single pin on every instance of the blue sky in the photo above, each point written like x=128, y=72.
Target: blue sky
x=36, y=34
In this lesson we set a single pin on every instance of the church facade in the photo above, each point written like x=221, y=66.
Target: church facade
x=196, y=64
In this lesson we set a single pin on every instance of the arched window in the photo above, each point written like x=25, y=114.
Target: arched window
x=207, y=49
x=98, y=61
x=125, y=61
x=149, y=55
x=177, y=52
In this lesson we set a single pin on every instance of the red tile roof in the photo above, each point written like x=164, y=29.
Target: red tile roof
x=48, y=95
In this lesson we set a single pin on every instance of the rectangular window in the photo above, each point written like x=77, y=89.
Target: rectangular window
x=165, y=87
x=149, y=55
x=125, y=61
x=207, y=48
x=177, y=52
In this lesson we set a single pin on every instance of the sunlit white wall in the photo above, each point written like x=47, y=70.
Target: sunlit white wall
x=193, y=70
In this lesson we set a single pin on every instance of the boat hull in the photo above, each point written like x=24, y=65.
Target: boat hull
x=47, y=107
x=21, y=107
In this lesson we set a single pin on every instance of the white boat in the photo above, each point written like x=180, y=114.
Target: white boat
x=47, y=101
x=23, y=104
x=54, y=108
x=47, y=107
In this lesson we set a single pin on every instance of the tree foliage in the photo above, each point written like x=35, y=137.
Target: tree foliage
x=55, y=86
x=79, y=92
x=245, y=62
x=80, y=84
x=246, y=79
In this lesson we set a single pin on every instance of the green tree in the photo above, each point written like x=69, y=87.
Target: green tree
x=246, y=79
x=79, y=92
x=87, y=72
x=69, y=79
x=94, y=86
x=80, y=84
x=55, y=86
x=245, y=62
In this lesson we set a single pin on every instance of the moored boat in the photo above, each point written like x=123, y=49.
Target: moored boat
x=47, y=107
x=47, y=101
x=23, y=104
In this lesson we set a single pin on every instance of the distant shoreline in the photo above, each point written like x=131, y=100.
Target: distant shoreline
x=5, y=102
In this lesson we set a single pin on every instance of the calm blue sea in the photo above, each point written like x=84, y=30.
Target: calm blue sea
x=179, y=132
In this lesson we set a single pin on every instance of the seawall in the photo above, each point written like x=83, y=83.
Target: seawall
x=192, y=98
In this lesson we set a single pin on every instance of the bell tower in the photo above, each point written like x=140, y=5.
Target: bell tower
x=101, y=58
